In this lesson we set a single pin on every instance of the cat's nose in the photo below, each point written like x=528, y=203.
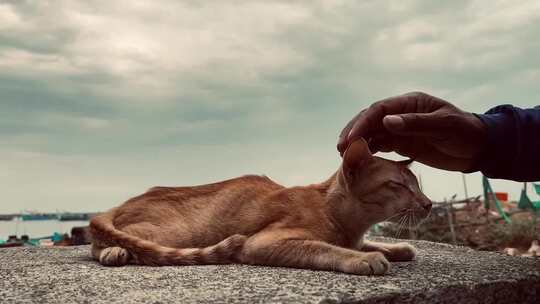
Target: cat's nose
x=427, y=205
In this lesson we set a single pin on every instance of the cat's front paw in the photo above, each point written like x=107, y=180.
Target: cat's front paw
x=369, y=263
x=400, y=252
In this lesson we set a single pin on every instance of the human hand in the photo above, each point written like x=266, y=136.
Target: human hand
x=422, y=127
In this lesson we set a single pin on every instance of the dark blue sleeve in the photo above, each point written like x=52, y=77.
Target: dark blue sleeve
x=513, y=144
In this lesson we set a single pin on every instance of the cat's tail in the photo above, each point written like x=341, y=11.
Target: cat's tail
x=145, y=252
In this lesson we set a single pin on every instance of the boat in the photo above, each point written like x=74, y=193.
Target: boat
x=68, y=216
x=39, y=216
x=12, y=244
x=12, y=241
x=7, y=217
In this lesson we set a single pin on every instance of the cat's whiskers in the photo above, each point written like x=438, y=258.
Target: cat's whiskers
x=411, y=222
x=407, y=220
x=392, y=216
x=408, y=224
x=401, y=224
x=398, y=224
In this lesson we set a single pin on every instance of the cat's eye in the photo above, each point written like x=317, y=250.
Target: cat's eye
x=397, y=184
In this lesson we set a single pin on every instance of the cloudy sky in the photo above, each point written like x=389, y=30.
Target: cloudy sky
x=100, y=100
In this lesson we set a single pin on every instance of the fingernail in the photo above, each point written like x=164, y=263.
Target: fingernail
x=394, y=122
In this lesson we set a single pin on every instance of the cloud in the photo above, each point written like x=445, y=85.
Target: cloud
x=150, y=49
x=100, y=99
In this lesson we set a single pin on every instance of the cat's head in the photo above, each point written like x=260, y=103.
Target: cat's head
x=386, y=190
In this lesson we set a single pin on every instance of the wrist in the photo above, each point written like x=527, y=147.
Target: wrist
x=478, y=141
x=499, y=148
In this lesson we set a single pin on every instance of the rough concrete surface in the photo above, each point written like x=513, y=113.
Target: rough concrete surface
x=441, y=274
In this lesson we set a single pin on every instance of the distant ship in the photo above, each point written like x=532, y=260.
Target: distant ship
x=67, y=216
x=39, y=216
x=7, y=217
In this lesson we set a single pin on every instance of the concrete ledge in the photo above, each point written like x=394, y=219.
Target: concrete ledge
x=442, y=274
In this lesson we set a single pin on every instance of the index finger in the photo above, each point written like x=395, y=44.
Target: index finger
x=343, y=141
x=369, y=122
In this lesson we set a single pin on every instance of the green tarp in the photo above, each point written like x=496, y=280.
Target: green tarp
x=537, y=188
x=526, y=203
x=489, y=194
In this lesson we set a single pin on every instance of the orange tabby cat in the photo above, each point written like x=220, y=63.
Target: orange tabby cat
x=252, y=220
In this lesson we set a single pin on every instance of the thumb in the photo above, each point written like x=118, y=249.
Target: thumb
x=414, y=124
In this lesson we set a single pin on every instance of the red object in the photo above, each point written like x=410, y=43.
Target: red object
x=502, y=196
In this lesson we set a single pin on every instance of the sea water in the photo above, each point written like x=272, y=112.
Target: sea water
x=37, y=229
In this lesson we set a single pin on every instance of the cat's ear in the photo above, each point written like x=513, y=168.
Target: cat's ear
x=356, y=156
